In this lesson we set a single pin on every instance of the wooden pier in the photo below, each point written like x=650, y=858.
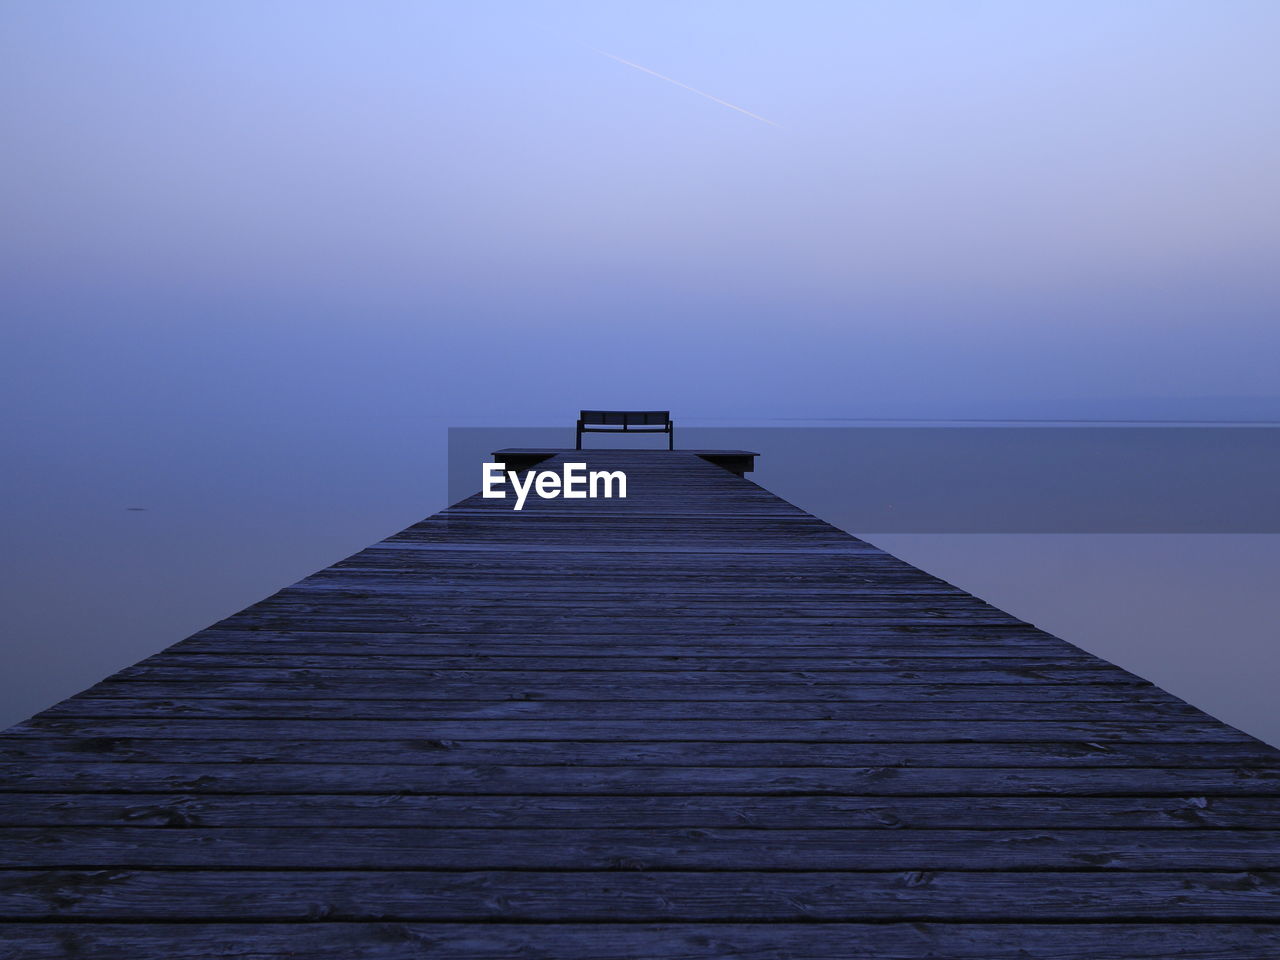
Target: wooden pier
x=694, y=723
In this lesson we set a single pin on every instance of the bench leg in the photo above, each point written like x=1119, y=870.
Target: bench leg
x=671, y=438
x=578, y=442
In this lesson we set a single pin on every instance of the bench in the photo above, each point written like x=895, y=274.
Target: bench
x=626, y=421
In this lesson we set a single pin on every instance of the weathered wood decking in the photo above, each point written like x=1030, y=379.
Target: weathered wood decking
x=694, y=723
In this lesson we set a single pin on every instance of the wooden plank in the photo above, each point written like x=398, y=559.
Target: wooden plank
x=375, y=707
x=764, y=731
x=536, y=648
x=634, y=896
x=525, y=645
x=621, y=666
x=562, y=587
x=374, y=608
x=570, y=624
x=1039, y=674
x=339, y=776
x=563, y=592
x=1186, y=815
x=698, y=575
x=588, y=849
x=705, y=691
x=613, y=941
x=698, y=753
x=935, y=633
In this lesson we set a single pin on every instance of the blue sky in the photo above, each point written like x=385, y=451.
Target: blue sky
x=248, y=209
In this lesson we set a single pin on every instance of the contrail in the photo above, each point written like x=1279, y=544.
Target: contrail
x=701, y=93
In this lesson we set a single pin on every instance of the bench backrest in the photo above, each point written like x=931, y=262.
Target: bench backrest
x=625, y=417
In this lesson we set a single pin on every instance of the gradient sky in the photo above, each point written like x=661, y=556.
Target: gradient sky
x=258, y=255
x=249, y=206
